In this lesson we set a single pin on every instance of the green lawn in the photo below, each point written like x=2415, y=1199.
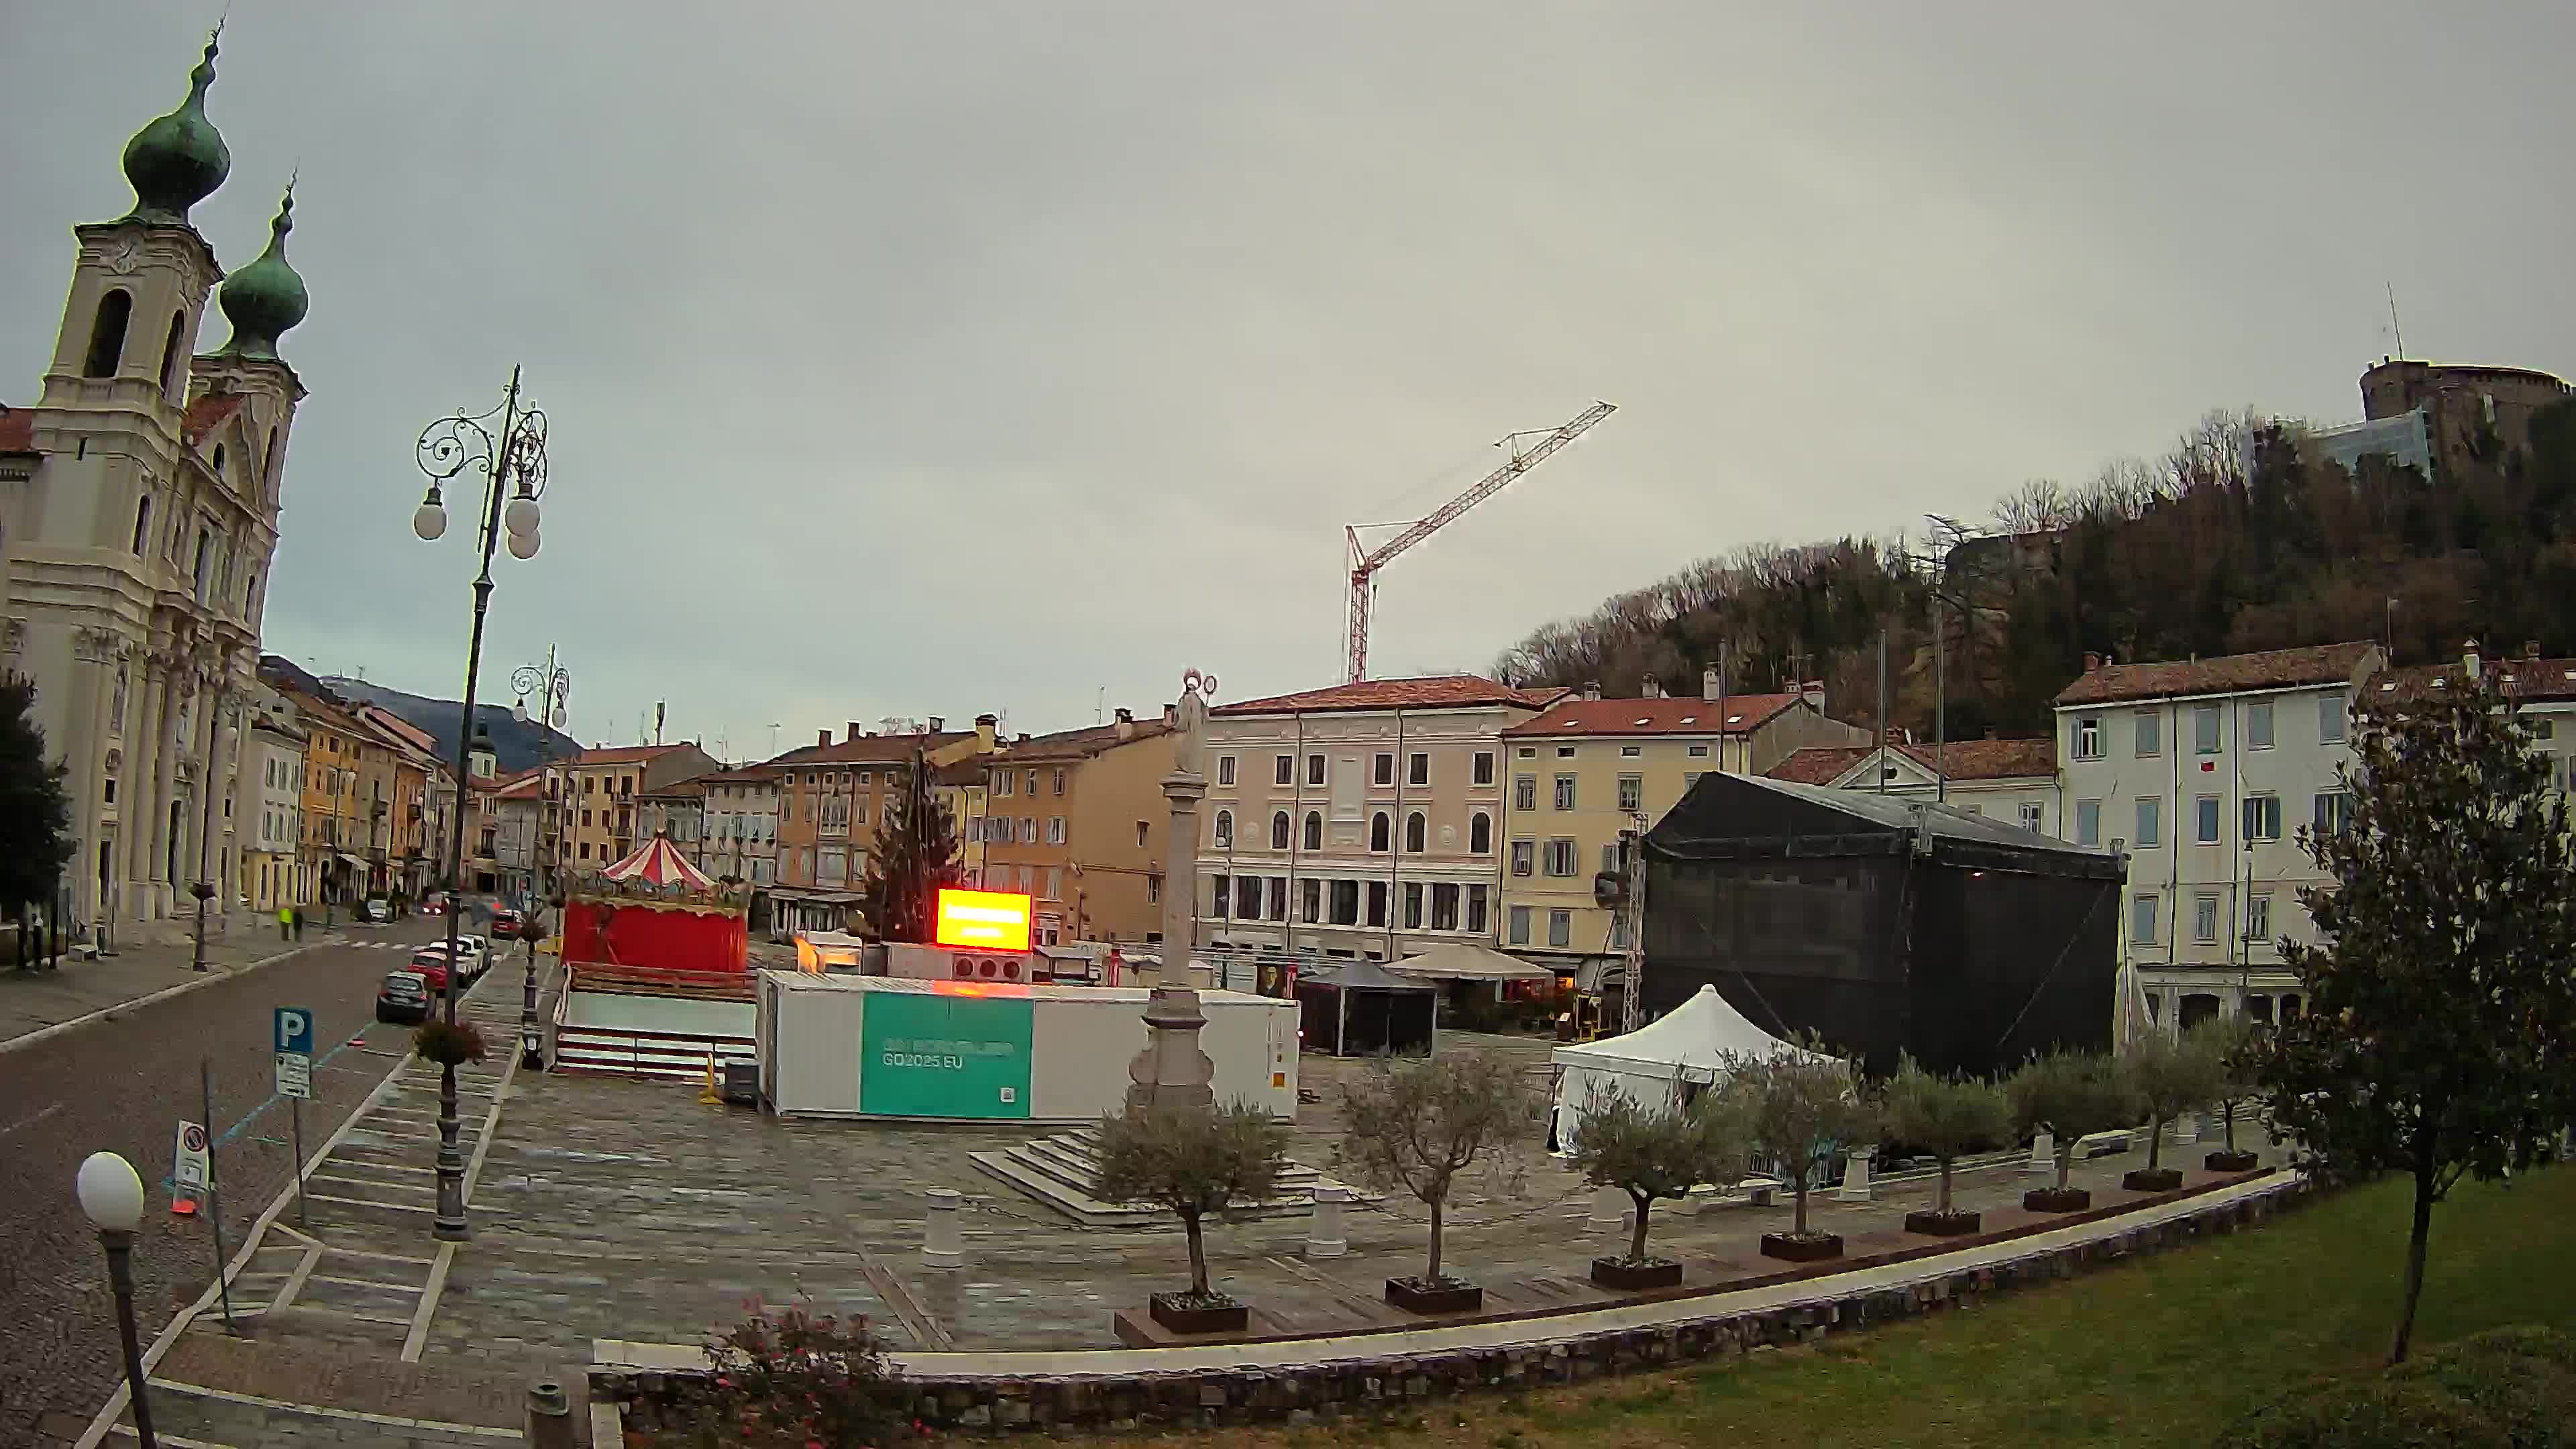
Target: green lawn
x=2162, y=1351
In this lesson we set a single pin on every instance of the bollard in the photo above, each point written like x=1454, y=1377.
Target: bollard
x=549, y=1416
x=1609, y=1211
x=1855, y=1186
x=2043, y=1154
x=2186, y=1129
x=1324, y=1237
x=941, y=1246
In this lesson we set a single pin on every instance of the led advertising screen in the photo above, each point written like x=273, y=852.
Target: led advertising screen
x=984, y=920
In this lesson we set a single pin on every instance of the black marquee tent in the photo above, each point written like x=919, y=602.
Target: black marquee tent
x=1883, y=924
x=1360, y=1009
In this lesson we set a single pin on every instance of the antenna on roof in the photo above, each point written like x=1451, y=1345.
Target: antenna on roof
x=2399, y=332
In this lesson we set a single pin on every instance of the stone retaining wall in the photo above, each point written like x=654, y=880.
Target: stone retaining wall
x=1361, y=1383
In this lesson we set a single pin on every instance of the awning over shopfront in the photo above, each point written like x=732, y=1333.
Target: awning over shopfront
x=1467, y=961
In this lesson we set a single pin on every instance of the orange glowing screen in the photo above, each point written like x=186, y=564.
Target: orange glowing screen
x=989, y=920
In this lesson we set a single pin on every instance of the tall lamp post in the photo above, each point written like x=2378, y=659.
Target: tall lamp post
x=111, y=1197
x=513, y=464
x=552, y=686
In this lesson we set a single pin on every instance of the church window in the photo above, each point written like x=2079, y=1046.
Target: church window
x=219, y=461
x=170, y=353
x=142, y=524
x=107, y=333
x=270, y=461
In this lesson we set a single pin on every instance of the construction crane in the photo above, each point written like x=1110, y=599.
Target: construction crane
x=1365, y=562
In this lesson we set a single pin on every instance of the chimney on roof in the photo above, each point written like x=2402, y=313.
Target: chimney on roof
x=1709, y=688
x=2469, y=659
x=2092, y=662
x=1126, y=724
x=822, y=737
x=851, y=728
x=1023, y=739
x=1591, y=689
x=1171, y=716
x=986, y=727
x=1650, y=688
x=938, y=724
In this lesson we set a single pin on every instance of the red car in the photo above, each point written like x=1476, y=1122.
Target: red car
x=431, y=967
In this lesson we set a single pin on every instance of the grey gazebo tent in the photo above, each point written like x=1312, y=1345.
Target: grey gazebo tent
x=1359, y=1009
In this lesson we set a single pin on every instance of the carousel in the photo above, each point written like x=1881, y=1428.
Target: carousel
x=657, y=976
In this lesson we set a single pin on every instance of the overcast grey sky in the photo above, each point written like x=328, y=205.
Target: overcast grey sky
x=930, y=359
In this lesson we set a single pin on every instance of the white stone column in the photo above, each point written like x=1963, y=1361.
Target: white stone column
x=2043, y=1154
x=1610, y=1209
x=2186, y=1129
x=1855, y=1186
x=942, y=1246
x=1324, y=1233
x=146, y=814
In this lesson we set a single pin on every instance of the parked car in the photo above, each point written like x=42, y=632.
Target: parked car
x=505, y=923
x=404, y=996
x=378, y=909
x=478, y=956
x=430, y=962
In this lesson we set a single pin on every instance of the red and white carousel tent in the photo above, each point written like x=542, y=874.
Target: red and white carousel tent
x=658, y=864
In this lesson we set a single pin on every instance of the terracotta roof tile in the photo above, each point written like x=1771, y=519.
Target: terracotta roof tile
x=747, y=775
x=869, y=749
x=1743, y=712
x=1439, y=691
x=2520, y=679
x=1964, y=760
x=622, y=754
x=208, y=413
x=17, y=430
x=1079, y=744
x=2224, y=674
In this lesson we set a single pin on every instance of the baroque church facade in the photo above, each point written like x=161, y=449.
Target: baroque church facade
x=138, y=517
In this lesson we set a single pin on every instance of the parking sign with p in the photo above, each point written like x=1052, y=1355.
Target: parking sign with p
x=294, y=1031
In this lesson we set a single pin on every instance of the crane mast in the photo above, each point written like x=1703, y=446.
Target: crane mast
x=1365, y=562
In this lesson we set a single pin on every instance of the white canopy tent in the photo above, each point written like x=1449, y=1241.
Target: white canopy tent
x=1467, y=961
x=1661, y=1064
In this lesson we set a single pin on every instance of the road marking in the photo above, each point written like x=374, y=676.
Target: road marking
x=391, y=1207
x=176, y=1441
x=326, y=1411
x=31, y=1121
x=367, y=1283
x=294, y=1281
x=428, y=1305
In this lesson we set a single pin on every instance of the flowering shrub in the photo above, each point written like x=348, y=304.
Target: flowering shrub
x=792, y=1376
x=449, y=1046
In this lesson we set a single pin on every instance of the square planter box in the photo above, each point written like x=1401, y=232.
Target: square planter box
x=1813, y=1248
x=1179, y=1316
x=2152, y=1179
x=2056, y=1200
x=2231, y=1162
x=1636, y=1277
x=1415, y=1296
x=1940, y=1224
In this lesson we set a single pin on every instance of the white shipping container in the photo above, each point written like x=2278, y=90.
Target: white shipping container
x=968, y=1051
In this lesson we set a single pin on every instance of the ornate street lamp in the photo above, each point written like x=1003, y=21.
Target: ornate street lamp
x=111, y=1197
x=552, y=685
x=513, y=464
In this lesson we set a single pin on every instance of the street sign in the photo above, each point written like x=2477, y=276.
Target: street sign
x=188, y=1161
x=293, y=1035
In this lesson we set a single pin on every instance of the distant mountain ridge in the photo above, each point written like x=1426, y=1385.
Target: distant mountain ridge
x=515, y=746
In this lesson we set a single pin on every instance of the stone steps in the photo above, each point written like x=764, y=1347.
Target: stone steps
x=1060, y=1170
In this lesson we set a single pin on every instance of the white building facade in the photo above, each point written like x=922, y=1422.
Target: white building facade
x=271, y=819
x=740, y=826
x=2203, y=772
x=138, y=515
x=1361, y=821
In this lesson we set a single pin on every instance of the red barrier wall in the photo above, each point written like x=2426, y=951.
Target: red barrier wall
x=664, y=936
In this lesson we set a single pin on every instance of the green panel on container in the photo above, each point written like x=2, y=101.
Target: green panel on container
x=944, y=1056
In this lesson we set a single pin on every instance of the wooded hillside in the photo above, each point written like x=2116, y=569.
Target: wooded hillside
x=2237, y=538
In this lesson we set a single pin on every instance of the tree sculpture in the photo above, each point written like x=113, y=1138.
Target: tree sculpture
x=2441, y=1009
x=1196, y=1163
x=916, y=855
x=2173, y=1075
x=1803, y=1108
x=2073, y=1095
x=1421, y=1126
x=1652, y=1153
x=1948, y=1117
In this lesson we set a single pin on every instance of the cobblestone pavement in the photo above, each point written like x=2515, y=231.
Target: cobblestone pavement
x=31, y=1000
x=123, y=1084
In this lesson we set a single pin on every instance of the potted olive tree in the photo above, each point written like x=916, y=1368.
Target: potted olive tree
x=1802, y=1107
x=1948, y=1117
x=1194, y=1162
x=2072, y=1094
x=2235, y=1047
x=1652, y=1153
x=1420, y=1127
x=2173, y=1075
